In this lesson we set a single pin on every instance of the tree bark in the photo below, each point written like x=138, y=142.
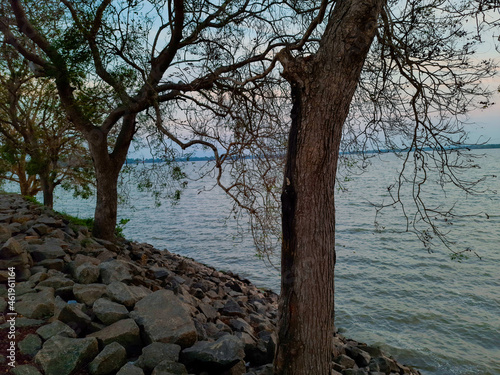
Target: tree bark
x=47, y=189
x=107, y=167
x=322, y=89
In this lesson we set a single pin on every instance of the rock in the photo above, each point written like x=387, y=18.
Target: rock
x=157, y=352
x=30, y=345
x=232, y=308
x=240, y=325
x=46, y=251
x=87, y=273
x=126, y=294
x=56, y=282
x=74, y=317
x=24, y=322
x=220, y=355
x=5, y=232
x=125, y=332
x=88, y=293
x=208, y=311
x=114, y=270
x=109, y=312
x=37, y=305
x=55, y=328
x=41, y=229
x=25, y=370
x=52, y=264
x=130, y=369
x=109, y=360
x=170, y=368
x=164, y=318
x=345, y=361
x=10, y=249
x=63, y=356
x=361, y=357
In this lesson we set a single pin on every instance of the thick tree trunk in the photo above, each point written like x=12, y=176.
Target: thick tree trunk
x=322, y=90
x=107, y=167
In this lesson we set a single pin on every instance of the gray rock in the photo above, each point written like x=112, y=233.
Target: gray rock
x=63, y=356
x=23, y=322
x=52, y=264
x=11, y=248
x=55, y=328
x=114, y=270
x=30, y=345
x=87, y=273
x=88, y=293
x=240, y=325
x=220, y=355
x=109, y=312
x=56, y=282
x=361, y=357
x=170, y=368
x=25, y=370
x=208, y=311
x=164, y=318
x=232, y=308
x=125, y=332
x=46, y=251
x=3, y=305
x=5, y=232
x=37, y=305
x=157, y=352
x=41, y=229
x=109, y=360
x=74, y=316
x=50, y=221
x=345, y=361
x=130, y=369
x=127, y=295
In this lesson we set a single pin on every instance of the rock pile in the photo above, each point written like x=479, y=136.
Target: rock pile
x=128, y=308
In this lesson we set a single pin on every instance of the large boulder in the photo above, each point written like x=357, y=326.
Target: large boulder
x=110, y=360
x=109, y=312
x=165, y=318
x=88, y=293
x=125, y=294
x=114, y=270
x=55, y=328
x=51, y=249
x=37, y=305
x=216, y=356
x=170, y=368
x=64, y=356
x=87, y=273
x=125, y=332
x=157, y=352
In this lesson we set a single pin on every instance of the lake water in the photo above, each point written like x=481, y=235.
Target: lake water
x=438, y=314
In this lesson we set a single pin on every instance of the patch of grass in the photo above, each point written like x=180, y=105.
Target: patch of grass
x=32, y=200
x=76, y=222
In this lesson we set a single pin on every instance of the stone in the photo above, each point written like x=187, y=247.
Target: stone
x=52, y=264
x=125, y=332
x=88, y=293
x=109, y=312
x=232, y=308
x=63, y=356
x=130, y=369
x=208, y=311
x=170, y=368
x=25, y=370
x=41, y=229
x=126, y=294
x=157, y=352
x=5, y=232
x=345, y=361
x=361, y=357
x=220, y=355
x=164, y=318
x=352, y=371
x=55, y=328
x=109, y=360
x=56, y=282
x=10, y=249
x=37, y=305
x=30, y=345
x=74, y=317
x=46, y=251
x=114, y=270
x=23, y=322
x=240, y=325
x=87, y=273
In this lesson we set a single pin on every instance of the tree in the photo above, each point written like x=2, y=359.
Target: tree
x=39, y=148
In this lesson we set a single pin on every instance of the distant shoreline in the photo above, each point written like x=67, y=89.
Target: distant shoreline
x=384, y=151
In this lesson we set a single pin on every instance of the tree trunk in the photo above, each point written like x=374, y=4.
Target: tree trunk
x=322, y=90
x=107, y=167
x=47, y=189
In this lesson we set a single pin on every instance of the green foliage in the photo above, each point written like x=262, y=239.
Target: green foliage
x=120, y=226
x=76, y=222
x=32, y=200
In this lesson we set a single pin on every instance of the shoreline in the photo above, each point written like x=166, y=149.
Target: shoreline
x=107, y=301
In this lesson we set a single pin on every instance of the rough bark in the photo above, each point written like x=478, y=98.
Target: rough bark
x=322, y=90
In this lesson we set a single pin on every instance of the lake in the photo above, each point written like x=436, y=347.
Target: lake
x=427, y=310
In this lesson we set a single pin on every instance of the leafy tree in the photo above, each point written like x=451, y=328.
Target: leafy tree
x=39, y=148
